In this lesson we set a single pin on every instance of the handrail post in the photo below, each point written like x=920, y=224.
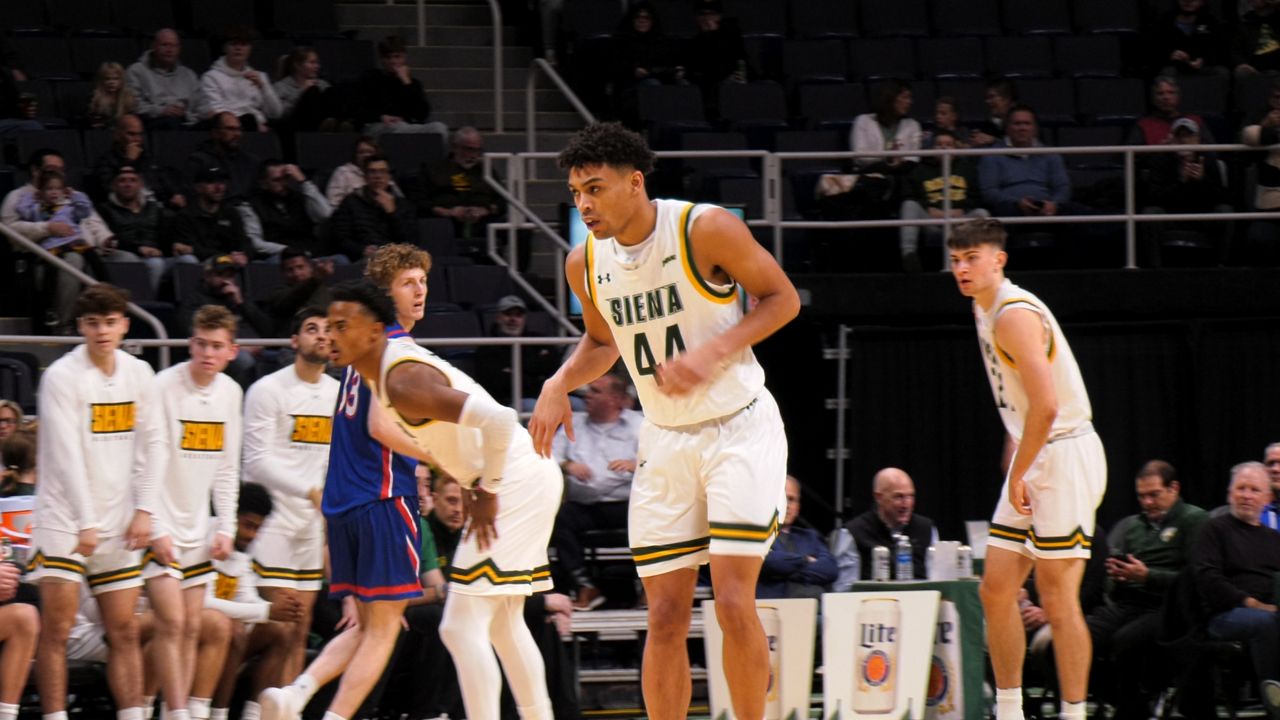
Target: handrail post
x=499, y=84
x=946, y=208
x=1130, y=224
x=422, y=23
x=530, y=103
x=772, y=196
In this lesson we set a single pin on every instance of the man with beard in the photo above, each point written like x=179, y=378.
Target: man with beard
x=454, y=186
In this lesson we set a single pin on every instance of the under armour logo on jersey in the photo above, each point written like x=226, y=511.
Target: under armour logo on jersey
x=602, y=279
x=668, y=259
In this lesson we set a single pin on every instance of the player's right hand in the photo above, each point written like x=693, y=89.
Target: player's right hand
x=162, y=547
x=482, y=509
x=550, y=412
x=1018, y=496
x=88, y=542
x=286, y=607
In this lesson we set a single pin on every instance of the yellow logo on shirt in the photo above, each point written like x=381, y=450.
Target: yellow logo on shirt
x=201, y=436
x=312, y=429
x=224, y=588
x=112, y=417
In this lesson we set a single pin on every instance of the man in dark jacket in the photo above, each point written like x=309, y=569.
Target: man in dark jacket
x=139, y=223
x=1147, y=552
x=1236, y=560
x=222, y=287
x=799, y=564
x=210, y=226
x=284, y=209
x=394, y=100
x=222, y=149
x=894, y=514
x=303, y=286
x=128, y=147
x=373, y=215
x=1255, y=49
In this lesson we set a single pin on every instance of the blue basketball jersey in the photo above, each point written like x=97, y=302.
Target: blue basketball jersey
x=361, y=470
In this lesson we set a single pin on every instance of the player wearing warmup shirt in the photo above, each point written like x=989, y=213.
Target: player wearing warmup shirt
x=371, y=470
x=201, y=410
x=1056, y=476
x=658, y=281
x=99, y=439
x=288, y=421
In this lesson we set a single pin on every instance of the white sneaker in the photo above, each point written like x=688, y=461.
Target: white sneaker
x=281, y=704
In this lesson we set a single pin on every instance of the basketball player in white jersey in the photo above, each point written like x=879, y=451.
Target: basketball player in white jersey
x=658, y=281
x=1056, y=471
x=288, y=421
x=99, y=441
x=201, y=408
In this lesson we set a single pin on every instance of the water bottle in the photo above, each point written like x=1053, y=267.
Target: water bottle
x=902, y=568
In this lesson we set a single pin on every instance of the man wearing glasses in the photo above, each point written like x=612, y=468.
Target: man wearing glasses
x=454, y=186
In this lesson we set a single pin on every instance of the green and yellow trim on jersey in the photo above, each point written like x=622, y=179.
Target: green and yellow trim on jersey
x=115, y=576
x=397, y=363
x=651, y=554
x=487, y=570
x=588, y=266
x=744, y=532
x=1004, y=532
x=1050, y=351
x=275, y=573
x=55, y=563
x=704, y=288
x=1075, y=539
x=197, y=570
x=149, y=557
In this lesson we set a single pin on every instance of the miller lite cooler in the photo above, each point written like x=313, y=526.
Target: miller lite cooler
x=773, y=635
x=875, y=681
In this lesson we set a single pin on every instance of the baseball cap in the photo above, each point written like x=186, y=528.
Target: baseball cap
x=511, y=302
x=212, y=173
x=220, y=262
x=125, y=170
x=1185, y=123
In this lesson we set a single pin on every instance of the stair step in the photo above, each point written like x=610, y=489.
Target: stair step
x=517, y=142
x=477, y=78
x=437, y=35
x=470, y=56
x=356, y=14
x=481, y=100
x=512, y=120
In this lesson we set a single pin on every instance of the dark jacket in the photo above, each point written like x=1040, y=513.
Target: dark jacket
x=254, y=322
x=788, y=563
x=1165, y=188
x=360, y=221
x=1256, y=41
x=925, y=184
x=241, y=165
x=385, y=94
x=286, y=300
x=162, y=181
x=869, y=531
x=285, y=219
x=213, y=233
x=1165, y=548
x=714, y=56
x=493, y=367
x=135, y=230
x=1207, y=39
x=447, y=184
x=1234, y=560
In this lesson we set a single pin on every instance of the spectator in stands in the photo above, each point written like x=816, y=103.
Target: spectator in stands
x=886, y=127
x=1186, y=181
x=223, y=150
x=798, y=565
x=925, y=189
x=598, y=465
x=716, y=53
x=10, y=416
x=210, y=226
x=222, y=287
x=394, y=101
x=1000, y=96
x=349, y=177
x=1262, y=240
x=1147, y=550
x=305, y=100
x=1257, y=43
x=1188, y=40
x=1236, y=560
x=303, y=286
x=17, y=112
x=168, y=92
x=111, y=98
x=641, y=55
x=18, y=474
x=454, y=187
x=946, y=117
x=1024, y=184
x=1156, y=127
x=19, y=630
x=894, y=514
x=232, y=86
x=128, y=147
x=53, y=201
x=373, y=215
x=493, y=362
x=140, y=224
x=285, y=209
x=1271, y=459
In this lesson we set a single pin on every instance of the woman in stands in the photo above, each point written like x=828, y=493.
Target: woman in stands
x=305, y=101
x=348, y=178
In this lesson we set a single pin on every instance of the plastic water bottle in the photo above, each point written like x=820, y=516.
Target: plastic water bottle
x=902, y=567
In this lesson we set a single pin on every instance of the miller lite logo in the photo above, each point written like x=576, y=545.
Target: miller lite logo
x=876, y=656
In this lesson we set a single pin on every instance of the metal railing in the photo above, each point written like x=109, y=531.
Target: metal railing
x=62, y=266
x=495, y=14
x=531, y=102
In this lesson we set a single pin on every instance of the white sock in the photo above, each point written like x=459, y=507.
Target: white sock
x=181, y=714
x=1009, y=703
x=8, y=711
x=1072, y=711
x=306, y=685
x=465, y=629
x=129, y=713
x=521, y=659
x=60, y=715
x=164, y=710
x=333, y=716
x=148, y=706
x=199, y=708
x=221, y=713
x=252, y=711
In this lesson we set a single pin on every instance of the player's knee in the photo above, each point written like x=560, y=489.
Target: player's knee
x=669, y=617
x=23, y=621
x=125, y=633
x=994, y=590
x=1060, y=606
x=54, y=628
x=215, y=627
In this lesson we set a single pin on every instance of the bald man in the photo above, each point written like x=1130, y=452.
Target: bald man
x=893, y=514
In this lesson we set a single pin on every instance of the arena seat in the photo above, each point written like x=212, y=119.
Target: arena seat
x=759, y=17
x=1028, y=56
x=966, y=17
x=877, y=59
x=320, y=152
x=1107, y=16
x=1041, y=17
x=45, y=57
x=1087, y=56
x=895, y=18
x=88, y=53
x=832, y=106
x=811, y=19
x=814, y=61
x=143, y=16
x=78, y=15
x=944, y=58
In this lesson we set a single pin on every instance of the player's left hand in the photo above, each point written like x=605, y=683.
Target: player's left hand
x=482, y=508
x=222, y=546
x=684, y=373
x=139, y=533
x=1018, y=496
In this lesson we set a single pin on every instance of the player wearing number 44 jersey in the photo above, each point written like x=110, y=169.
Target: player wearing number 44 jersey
x=1056, y=476
x=658, y=281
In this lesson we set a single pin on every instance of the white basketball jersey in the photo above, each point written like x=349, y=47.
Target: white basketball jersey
x=1074, y=411
x=455, y=449
x=658, y=306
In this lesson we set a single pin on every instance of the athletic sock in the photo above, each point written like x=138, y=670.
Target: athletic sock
x=129, y=713
x=333, y=716
x=8, y=711
x=222, y=713
x=199, y=708
x=148, y=706
x=1072, y=711
x=252, y=711
x=60, y=715
x=181, y=714
x=305, y=685
x=1009, y=703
